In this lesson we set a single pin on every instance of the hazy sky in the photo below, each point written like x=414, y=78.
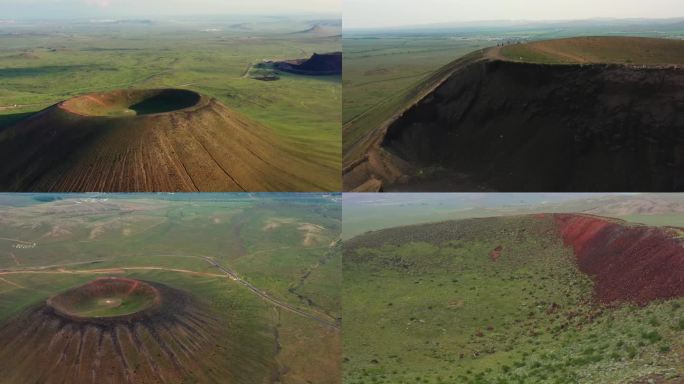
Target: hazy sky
x=384, y=13
x=132, y=8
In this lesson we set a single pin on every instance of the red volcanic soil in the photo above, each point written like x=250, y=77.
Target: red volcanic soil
x=496, y=253
x=628, y=263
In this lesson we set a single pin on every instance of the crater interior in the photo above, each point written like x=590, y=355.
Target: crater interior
x=132, y=102
x=110, y=297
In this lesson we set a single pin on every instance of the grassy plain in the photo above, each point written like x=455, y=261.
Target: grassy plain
x=624, y=50
x=369, y=212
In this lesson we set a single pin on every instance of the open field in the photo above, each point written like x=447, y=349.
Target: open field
x=514, y=299
x=43, y=63
x=268, y=295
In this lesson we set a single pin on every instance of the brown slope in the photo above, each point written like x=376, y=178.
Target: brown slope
x=175, y=141
x=319, y=31
x=174, y=341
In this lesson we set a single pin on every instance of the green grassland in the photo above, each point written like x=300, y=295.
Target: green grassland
x=442, y=311
x=47, y=247
x=384, y=73
x=44, y=64
x=378, y=67
x=665, y=219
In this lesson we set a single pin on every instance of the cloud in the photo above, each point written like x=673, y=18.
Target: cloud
x=99, y=3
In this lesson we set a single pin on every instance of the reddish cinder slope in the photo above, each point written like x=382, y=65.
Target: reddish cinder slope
x=629, y=263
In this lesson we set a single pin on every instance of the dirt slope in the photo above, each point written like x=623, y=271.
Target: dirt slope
x=492, y=124
x=146, y=141
x=628, y=263
x=171, y=343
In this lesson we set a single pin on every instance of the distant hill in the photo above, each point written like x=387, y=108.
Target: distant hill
x=590, y=114
x=317, y=64
x=626, y=50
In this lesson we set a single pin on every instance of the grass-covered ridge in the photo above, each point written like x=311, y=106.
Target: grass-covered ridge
x=496, y=300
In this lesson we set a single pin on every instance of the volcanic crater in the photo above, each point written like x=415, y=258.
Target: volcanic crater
x=493, y=123
x=132, y=102
x=150, y=140
x=111, y=330
x=108, y=299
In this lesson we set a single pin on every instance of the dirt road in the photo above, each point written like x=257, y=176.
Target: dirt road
x=233, y=276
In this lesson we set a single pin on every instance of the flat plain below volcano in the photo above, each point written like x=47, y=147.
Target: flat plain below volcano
x=576, y=114
x=149, y=141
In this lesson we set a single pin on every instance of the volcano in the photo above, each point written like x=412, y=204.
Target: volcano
x=149, y=141
x=584, y=114
x=322, y=64
x=113, y=330
x=627, y=262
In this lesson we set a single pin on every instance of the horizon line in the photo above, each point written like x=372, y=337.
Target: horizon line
x=457, y=23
